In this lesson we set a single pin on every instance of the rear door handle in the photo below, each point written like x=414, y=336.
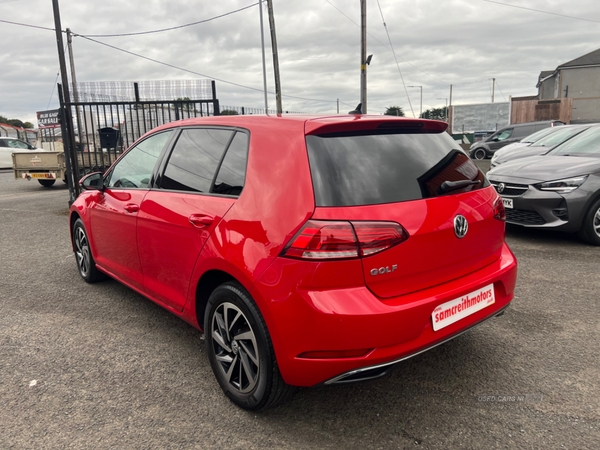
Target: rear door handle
x=201, y=220
x=131, y=207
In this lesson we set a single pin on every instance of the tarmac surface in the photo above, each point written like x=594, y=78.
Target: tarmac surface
x=99, y=366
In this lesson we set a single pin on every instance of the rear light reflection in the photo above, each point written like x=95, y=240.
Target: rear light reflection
x=336, y=240
x=499, y=210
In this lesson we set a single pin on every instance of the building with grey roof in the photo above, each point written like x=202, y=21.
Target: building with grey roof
x=578, y=79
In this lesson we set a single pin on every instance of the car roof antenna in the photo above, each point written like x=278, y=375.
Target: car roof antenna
x=358, y=110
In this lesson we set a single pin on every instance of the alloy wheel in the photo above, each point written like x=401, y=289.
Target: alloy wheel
x=235, y=347
x=82, y=252
x=596, y=222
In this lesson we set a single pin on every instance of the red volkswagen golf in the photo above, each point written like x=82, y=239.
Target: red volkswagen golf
x=310, y=250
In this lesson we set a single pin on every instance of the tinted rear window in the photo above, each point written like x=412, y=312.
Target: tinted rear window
x=386, y=168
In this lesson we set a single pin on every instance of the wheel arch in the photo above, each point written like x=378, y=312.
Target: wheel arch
x=208, y=282
x=72, y=219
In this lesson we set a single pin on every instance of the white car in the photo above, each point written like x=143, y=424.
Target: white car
x=8, y=146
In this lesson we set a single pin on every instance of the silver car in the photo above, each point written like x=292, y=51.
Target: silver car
x=551, y=139
x=559, y=190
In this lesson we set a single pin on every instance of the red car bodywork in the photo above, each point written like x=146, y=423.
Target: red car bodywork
x=145, y=239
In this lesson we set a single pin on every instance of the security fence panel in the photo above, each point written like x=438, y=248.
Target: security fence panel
x=103, y=130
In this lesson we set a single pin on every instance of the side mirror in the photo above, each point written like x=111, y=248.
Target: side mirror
x=92, y=182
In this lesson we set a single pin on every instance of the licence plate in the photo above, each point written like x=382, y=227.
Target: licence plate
x=508, y=202
x=41, y=175
x=459, y=308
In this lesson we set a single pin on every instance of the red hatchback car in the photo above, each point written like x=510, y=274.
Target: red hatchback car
x=311, y=250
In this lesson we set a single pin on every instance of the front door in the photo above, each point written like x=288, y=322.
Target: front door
x=115, y=213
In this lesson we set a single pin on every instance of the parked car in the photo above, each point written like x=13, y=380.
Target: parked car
x=8, y=146
x=507, y=135
x=557, y=136
x=310, y=250
x=558, y=190
x=528, y=140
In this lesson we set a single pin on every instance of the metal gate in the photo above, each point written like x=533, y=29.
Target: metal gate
x=96, y=133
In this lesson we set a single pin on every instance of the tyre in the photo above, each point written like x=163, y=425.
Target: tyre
x=590, y=229
x=83, y=255
x=240, y=350
x=479, y=154
x=46, y=183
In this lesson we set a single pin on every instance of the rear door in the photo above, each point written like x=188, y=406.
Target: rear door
x=201, y=180
x=424, y=183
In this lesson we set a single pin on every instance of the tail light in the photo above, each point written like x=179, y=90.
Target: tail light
x=335, y=240
x=499, y=210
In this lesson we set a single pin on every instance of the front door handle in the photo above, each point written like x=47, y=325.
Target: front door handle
x=131, y=207
x=201, y=220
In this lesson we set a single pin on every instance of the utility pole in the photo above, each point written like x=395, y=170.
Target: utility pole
x=275, y=57
x=493, y=89
x=70, y=137
x=73, y=78
x=363, y=55
x=450, y=106
x=338, y=105
x=264, y=64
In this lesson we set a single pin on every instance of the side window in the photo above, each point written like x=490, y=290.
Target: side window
x=134, y=170
x=505, y=134
x=232, y=174
x=194, y=160
x=13, y=143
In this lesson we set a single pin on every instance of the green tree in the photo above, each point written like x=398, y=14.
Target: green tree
x=229, y=112
x=15, y=122
x=435, y=114
x=394, y=111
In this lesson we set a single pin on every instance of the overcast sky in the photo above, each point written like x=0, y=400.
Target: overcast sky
x=437, y=42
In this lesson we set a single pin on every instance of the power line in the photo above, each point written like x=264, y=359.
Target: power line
x=195, y=73
x=53, y=86
x=26, y=25
x=141, y=32
x=543, y=12
x=498, y=86
x=172, y=28
x=385, y=46
x=397, y=64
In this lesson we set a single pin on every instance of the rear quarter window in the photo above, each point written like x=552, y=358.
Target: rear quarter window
x=372, y=169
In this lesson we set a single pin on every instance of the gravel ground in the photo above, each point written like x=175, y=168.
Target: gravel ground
x=99, y=366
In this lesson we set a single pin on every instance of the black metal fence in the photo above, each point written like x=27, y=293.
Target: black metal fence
x=245, y=111
x=103, y=130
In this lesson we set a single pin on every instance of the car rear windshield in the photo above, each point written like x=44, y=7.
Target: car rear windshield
x=371, y=169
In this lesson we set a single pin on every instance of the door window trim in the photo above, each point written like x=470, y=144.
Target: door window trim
x=162, y=166
x=108, y=174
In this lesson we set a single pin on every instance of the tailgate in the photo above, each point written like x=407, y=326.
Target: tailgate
x=433, y=254
x=32, y=161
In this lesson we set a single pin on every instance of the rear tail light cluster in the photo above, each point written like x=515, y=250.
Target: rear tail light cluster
x=499, y=210
x=334, y=240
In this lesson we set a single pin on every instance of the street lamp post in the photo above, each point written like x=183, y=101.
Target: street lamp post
x=420, y=87
x=445, y=110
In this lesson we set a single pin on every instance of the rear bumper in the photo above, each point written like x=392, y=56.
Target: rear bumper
x=354, y=318
x=380, y=370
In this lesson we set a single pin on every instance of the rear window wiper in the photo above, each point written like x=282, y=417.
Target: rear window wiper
x=448, y=186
